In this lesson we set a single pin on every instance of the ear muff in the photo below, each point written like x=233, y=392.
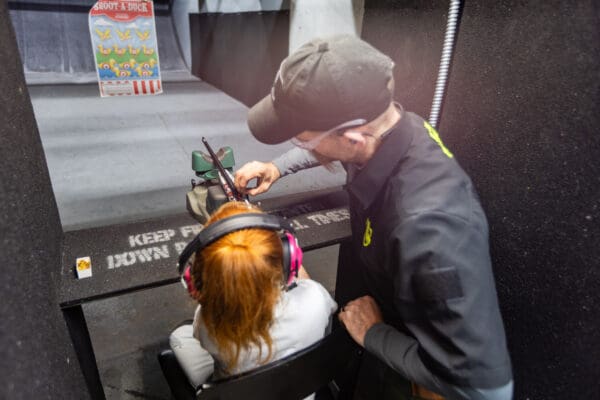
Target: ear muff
x=292, y=253
x=292, y=258
x=186, y=280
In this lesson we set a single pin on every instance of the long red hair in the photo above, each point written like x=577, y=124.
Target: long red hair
x=241, y=275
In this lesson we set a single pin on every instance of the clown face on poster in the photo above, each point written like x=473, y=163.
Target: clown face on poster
x=125, y=47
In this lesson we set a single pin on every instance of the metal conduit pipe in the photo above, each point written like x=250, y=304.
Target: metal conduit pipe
x=440, y=86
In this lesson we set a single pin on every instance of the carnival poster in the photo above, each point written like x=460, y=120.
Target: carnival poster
x=125, y=47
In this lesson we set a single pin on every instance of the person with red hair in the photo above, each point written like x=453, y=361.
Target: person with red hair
x=247, y=316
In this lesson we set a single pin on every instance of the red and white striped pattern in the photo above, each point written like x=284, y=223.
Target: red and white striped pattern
x=151, y=86
x=130, y=87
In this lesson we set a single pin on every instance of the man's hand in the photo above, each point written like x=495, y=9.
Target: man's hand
x=265, y=173
x=358, y=316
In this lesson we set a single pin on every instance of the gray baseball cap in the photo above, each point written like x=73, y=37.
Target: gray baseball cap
x=326, y=82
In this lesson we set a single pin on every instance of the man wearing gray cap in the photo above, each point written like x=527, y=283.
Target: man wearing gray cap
x=426, y=308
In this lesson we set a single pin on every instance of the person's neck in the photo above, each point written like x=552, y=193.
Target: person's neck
x=380, y=128
x=389, y=119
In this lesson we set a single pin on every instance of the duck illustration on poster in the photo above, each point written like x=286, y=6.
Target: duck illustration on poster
x=123, y=34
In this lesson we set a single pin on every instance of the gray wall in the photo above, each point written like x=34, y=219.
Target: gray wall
x=53, y=37
x=239, y=53
x=36, y=356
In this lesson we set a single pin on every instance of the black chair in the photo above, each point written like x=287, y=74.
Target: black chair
x=328, y=368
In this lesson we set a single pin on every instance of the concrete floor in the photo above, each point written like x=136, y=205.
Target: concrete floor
x=125, y=159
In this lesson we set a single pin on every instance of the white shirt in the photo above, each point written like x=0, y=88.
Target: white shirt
x=301, y=318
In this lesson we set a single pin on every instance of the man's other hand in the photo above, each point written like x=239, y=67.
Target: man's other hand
x=358, y=316
x=265, y=173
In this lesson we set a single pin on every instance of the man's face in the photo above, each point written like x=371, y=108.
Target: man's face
x=332, y=147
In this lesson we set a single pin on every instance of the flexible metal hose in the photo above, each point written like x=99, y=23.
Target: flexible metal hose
x=440, y=86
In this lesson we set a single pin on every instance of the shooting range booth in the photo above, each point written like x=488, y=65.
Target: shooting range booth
x=107, y=178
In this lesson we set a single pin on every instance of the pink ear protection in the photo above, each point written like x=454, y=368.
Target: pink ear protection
x=186, y=280
x=292, y=253
x=292, y=257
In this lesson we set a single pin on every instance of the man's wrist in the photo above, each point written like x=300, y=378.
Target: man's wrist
x=275, y=170
x=277, y=165
x=373, y=332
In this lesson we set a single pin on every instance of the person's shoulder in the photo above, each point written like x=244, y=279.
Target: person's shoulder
x=414, y=120
x=310, y=290
x=309, y=286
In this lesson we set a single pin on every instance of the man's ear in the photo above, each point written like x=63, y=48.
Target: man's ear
x=355, y=137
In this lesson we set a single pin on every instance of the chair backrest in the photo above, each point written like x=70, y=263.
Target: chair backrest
x=335, y=357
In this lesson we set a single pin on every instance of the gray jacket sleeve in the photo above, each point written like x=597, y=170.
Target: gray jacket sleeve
x=295, y=160
x=400, y=352
x=397, y=350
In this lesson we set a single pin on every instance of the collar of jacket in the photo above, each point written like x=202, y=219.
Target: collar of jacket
x=369, y=181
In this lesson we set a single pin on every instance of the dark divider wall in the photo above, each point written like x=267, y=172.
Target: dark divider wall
x=523, y=117
x=36, y=356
